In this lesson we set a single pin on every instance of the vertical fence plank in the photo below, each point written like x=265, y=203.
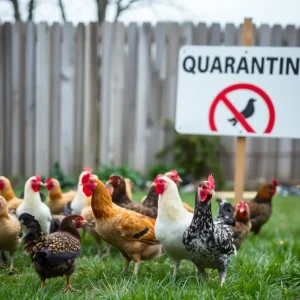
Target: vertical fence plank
x=130, y=99
x=105, y=146
x=79, y=95
x=230, y=35
x=7, y=49
x=67, y=99
x=201, y=34
x=42, y=137
x=90, y=97
x=2, y=159
x=169, y=92
x=55, y=91
x=187, y=30
x=117, y=92
x=143, y=97
x=215, y=35
x=29, y=94
x=285, y=146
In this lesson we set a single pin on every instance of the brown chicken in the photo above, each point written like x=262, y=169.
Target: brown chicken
x=88, y=215
x=57, y=200
x=128, y=231
x=120, y=197
x=7, y=192
x=261, y=206
x=10, y=230
x=53, y=255
x=242, y=226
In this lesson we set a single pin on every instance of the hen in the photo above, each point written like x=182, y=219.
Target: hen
x=172, y=220
x=128, y=231
x=261, y=206
x=53, y=255
x=242, y=223
x=57, y=200
x=10, y=229
x=208, y=245
x=7, y=192
x=33, y=204
x=120, y=197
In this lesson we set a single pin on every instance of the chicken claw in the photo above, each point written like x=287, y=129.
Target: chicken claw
x=69, y=287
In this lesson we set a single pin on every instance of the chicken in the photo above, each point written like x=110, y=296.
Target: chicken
x=120, y=198
x=172, y=220
x=261, y=206
x=10, y=229
x=242, y=223
x=55, y=222
x=225, y=213
x=57, y=200
x=209, y=246
x=88, y=215
x=53, y=255
x=130, y=232
x=7, y=192
x=33, y=204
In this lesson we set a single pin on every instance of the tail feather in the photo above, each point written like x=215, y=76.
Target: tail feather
x=35, y=235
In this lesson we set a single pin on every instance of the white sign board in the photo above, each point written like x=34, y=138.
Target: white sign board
x=239, y=91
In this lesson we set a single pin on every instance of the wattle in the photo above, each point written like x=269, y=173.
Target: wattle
x=87, y=191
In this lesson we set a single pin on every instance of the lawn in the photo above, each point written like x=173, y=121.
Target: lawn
x=266, y=267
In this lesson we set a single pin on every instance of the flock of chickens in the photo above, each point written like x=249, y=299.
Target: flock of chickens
x=161, y=224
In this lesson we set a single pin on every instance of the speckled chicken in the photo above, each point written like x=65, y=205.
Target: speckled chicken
x=53, y=255
x=208, y=246
x=242, y=223
x=261, y=206
x=10, y=230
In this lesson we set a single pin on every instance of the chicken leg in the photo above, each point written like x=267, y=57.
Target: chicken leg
x=69, y=287
x=176, y=267
x=222, y=276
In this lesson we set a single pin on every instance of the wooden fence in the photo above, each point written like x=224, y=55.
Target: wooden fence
x=93, y=94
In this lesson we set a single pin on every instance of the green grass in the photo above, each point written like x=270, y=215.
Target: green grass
x=264, y=268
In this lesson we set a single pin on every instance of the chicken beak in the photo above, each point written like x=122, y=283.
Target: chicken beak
x=153, y=184
x=108, y=182
x=242, y=210
x=84, y=222
x=43, y=184
x=179, y=179
x=211, y=192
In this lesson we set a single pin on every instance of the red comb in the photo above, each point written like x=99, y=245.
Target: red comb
x=38, y=178
x=174, y=172
x=275, y=182
x=157, y=177
x=211, y=181
x=85, y=178
x=48, y=180
x=88, y=169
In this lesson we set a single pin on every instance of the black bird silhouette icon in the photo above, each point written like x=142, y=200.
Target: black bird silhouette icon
x=247, y=112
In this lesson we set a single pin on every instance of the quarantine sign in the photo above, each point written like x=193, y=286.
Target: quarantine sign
x=238, y=91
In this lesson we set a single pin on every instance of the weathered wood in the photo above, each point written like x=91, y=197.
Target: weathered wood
x=201, y=34
x=215, y=35
x=187, y=31
x=143, y=97
x=105, y=136
x=7, y=49
x=230, y=36
x=130, y=94
x=2, y=112
x=42, y=86
x=67, y=100
x=55, y=94
x=29, y=115
x=79, y=95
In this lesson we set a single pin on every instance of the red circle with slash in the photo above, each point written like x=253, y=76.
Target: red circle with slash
x=222, y=97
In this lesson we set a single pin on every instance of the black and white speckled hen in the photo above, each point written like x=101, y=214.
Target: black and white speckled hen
x=209, y=246
x=53, y=255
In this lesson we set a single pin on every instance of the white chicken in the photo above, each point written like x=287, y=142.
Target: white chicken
x=33, y=205
x=172, y=220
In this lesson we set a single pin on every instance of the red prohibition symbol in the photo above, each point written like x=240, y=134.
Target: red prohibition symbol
x=222, y=97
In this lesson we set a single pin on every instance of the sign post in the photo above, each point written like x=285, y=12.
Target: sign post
x=240, y=158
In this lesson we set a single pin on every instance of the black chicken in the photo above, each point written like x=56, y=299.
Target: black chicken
x=209, y=245
x=53, y=255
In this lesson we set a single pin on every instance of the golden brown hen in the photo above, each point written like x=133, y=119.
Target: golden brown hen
x=128, y=231
x=7, y=192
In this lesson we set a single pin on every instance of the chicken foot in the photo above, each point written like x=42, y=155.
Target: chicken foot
x=136, y=267
x=222, y=276
x=11, y=267
x=176, y=267
x=69, y=287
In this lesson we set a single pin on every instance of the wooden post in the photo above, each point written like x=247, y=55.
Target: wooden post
x=240, y=159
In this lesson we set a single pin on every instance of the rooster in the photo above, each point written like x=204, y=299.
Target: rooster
x=172, y=220
x=53, y=255
x=57, y=200
x=10, y=229
x=261, y=206
x=208, y=245
x=33, y=204
x=242, y=223
x=128, y=231
x=7, y=192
